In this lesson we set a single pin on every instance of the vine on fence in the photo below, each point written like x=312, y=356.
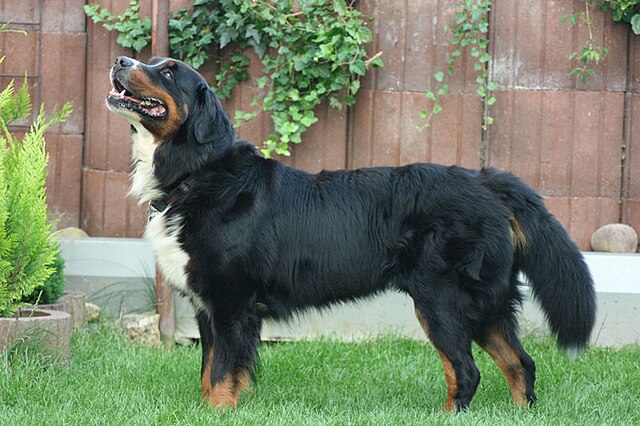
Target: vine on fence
x=469, y=28
x=623, y=10
x=311, y=50
x=591, y=53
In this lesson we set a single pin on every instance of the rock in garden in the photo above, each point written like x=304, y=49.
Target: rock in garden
x=91, y=312
x=142, y=328
x=615, y=238
x=72, y=232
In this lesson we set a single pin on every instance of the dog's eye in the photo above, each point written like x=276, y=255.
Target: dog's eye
x=167, y=73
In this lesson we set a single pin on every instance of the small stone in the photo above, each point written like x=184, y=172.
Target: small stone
x=74, y=304
x=142, y=328
x=72, y=232
x=615, y=238
x=91, y=312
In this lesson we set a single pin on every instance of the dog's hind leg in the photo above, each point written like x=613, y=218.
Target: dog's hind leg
x=450, y=336
x=515, y=363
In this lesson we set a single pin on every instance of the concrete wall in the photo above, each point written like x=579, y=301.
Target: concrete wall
x=119, y=275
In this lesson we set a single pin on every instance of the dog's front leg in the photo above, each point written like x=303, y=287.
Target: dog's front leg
x=229, y=348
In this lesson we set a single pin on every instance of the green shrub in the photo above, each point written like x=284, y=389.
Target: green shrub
x=27, y=249
x=53, y=288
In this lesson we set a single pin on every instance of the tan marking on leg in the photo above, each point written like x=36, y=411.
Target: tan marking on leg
x=449, y=372
x=243, y=380
x=224, y=393
x=509, y=363
x=517, y=234
x=452, y=384
x=423, y=322
x=206, y=375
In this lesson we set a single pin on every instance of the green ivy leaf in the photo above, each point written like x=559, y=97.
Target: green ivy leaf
x=354, y=87
x=261, y=81
x=635, y=23
x=377, y=63
x=575, y=71
x=308, y=121
x=358, y=67
x=444, y=90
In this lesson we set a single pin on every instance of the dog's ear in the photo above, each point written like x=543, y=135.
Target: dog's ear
x=211, y=123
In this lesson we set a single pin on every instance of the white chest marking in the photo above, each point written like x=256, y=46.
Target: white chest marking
x=163, y=234
x=143, y=184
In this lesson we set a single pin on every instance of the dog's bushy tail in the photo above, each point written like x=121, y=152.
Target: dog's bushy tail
x=553, y=264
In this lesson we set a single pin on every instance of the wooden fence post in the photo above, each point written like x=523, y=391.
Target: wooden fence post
x=164, y=295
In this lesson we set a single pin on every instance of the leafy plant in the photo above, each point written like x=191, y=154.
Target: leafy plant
x=53, y=287
x=623, y=10
x=27, y=249
x=133, y=31
x=591, y=53
x=469, y=28
x=311, y=51
x=314, y=53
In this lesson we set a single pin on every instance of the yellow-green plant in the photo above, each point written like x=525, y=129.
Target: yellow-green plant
x=27, y=249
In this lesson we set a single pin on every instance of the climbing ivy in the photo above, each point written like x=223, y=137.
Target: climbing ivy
x=623, y=10
x=469, y=30
x=591, y=53
x=311, y=51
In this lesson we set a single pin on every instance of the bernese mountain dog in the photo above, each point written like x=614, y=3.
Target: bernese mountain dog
x=247, y=238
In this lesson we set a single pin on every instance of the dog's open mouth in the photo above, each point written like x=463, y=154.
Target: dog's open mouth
x=121, y=97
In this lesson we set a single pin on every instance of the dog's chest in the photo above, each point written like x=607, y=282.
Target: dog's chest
x=164, y=234
x=143, y=183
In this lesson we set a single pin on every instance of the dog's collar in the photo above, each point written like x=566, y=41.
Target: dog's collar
x=178, y=193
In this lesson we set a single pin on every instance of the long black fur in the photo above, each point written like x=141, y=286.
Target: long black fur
x=266, y=240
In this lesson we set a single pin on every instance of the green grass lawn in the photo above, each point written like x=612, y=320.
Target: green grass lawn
x=386, y=381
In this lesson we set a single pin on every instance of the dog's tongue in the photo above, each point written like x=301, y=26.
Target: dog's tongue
x=156, y=109
x=152, y=108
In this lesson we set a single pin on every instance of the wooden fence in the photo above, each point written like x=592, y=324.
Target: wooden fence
x=577, y=144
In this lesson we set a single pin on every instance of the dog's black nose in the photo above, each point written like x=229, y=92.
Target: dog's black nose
x=123, y=62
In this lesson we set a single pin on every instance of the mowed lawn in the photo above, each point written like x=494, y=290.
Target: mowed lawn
x=384, y=381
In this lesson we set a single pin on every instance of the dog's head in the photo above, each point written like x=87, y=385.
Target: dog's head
x=170, y=100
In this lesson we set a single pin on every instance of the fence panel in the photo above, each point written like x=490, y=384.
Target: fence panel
x=575, y=143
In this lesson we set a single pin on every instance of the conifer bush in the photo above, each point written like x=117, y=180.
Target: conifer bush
x=53, y=287
x=27, y=246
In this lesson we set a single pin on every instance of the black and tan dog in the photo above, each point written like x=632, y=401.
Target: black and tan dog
x=246, y=238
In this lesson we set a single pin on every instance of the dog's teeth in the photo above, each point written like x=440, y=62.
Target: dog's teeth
x=122, y=93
